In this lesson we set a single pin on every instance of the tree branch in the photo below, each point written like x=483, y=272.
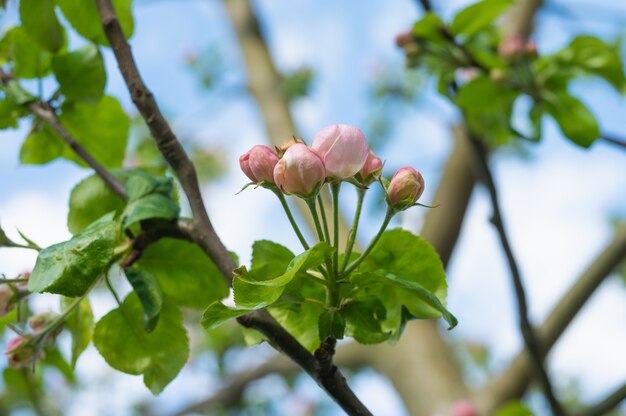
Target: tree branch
x=512, y=382
x=47, y=114
x=167, y=142
x=614, y=140
x=606, y=405
x=332, y=381
x=528, y=333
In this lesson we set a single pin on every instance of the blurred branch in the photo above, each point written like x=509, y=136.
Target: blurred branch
x=513, y=381
x=166, y=140
x=533, y=347
x=614, y=140
x=606, y=405
x=204, y=233
x=47, y=114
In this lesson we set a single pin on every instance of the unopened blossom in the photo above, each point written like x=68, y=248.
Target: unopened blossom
x=258, y=164
x=405, y=188
x=464, y=408
x=20, y=356
x=300, y=171
x=343, y=150
x=371, y=169
x=7, y=299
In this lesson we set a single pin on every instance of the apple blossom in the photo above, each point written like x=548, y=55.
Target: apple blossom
x=21, y=357
x=343, y=150
x=372, y=168
x=405, y=188
x=258, y=164
x=300, y=171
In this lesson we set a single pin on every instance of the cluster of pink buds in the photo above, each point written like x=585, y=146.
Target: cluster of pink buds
x=514, y=47
x=338, y=153
x=25, y=349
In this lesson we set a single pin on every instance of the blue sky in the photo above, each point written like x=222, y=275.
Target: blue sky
x=557, y=200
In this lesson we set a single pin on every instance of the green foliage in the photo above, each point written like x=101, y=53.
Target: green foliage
x=364, y=318
x=10, y=113
x=90, y=199
x=257, y=289
x=101, y=127
x=84, y=17
x=71, y=267
x=41, y=23
x=41, y=146
x=79, y=323
x=149, y=197
x=150, y=295
x=576, y=121
x=296, y=84
x=28, y=58
x=217, y=313
x=184, y=272
x=514, y=408
x=159, y=355
x=331, y=324
x=80, y=73
x=478, y=16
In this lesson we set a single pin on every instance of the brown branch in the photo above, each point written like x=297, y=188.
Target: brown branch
x=605, y=406
x=167, y=142
x=513, y=381
x=533, y=346
x=333, y=382
x=47, y=114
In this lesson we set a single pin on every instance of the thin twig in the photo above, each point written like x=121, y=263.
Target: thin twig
x=333, y=382
x=47, y=114
x=614, y=140
x=606, y=405
x=166, y=140
x=528, y=333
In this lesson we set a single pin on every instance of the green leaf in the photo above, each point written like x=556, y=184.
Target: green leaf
x=184, y=272
x=404, y=270
x=478, y=16
x=364, y=317
x=41, y=23
x=79, y=323
x=80, y=73
x=331, y=324
x=269, y=258
x=101, y=127
x=595, y=57
x=429, y=28
x=575, y=120
x=514, y=408
x=256, y=290
x=10, y=113
x=17, y=94
x=28, y=58
x=217, y=313
x=54, y=359
x=41, y=146
x=483, y=96
x=83, y=16
x=149, y=292
x=71, y=267
x=91, y=199
x=149, y=197
x=159, y=355
x=420, y=302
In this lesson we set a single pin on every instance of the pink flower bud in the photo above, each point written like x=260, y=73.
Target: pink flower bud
x=371, y=169
x=343, y=150
x=23, y=285
x=300, y=171
x=464, y=408
x=21, y=357
x=7, y=296
x=258, y=164
x=511, y=46
x=405, y=188
x=39, y=321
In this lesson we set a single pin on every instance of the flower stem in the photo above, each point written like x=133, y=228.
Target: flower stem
x=316, y=218
x=353, y=230
x=335, y=189
x=320, y=201
x=390, y=213
x=292, y=221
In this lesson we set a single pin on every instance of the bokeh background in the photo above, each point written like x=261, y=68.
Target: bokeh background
x=560, y=202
